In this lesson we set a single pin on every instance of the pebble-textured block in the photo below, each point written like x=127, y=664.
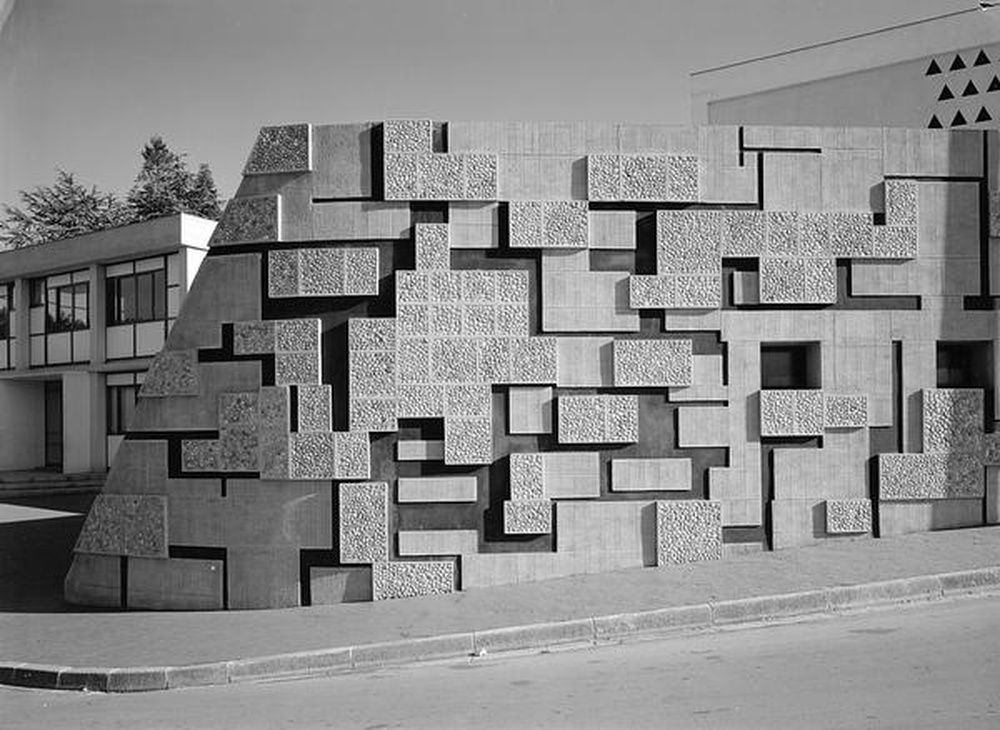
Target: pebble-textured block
x=782, y=233
x=646, y=291
x=296, y=335
x=682, y=172
x=468, y=401
x=401, y=176
x=371, y=334
x=603, y=176
x=527, y=477
x=311, y=456
x=904, y=477
x=851, y=235
x=273, y=455
x=361, y=272
x=494, y=359
x=468, y=441
x=238, y=449
x=598, y=419
x=237, y=409
x=745, y=233
x=895, y=242
x=125, y=524
x=445, y=286
x=512, y=320
x=527, y=517
x=454, y=360
x=846, y=411
x=282, y=273
x=372, y=374
x=526, y=227
x=352, y=455
x=697, y=291
x=477, y=286
x=994, y=213
x=432, y=245
x=480, y=177
x=901, y=202
x=991, y=449
x=253, y=338
x=819, y=281
x=688, y=531
x=315, y=408
x=250, y=220
x=364, y=522
x=440, y=177
x=511, y=286
x=480, y=320
x=652, y=363
x=199, y=455
x=848, y=516
x=549, y=224
x=273, y=408
x=689, y=241
x=814, y=235
x=644, y=177
x=445, y=320
x=373, y=414
x=413, y=360
x=534, y=360
x=281, y=149
x=407, y=135
x=420, y=401
x=953, y=420
x=409, y=579
x=782, y=281
x=296, y=368
x=791, y=413
x=321, y=272
x=173, y=372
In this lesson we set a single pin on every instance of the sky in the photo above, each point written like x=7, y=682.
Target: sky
x=83, y=84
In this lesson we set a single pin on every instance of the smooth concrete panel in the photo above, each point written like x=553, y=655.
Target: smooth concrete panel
x=493, y=569
x=474, y=225
x=585, y=362
x=420, y=450
x=571, y=474
x=529, y=409
x=93, y=580
x=595, y=301
x=330, y=586
x=933, y=152
x=627, y=529
x=792, y=181
x=533, y=137
x=706, y=381
x=140, y=467
x=414, y=543
x=342, y=160
x=187, y=585
x=849, y=178
x=647, y=475
x=351, y=221
x=186, y=413
x=702, y=427
x=614, y=229
x=897, y=518
x=437, y=489
x=542, y=177
x=22, y=424
x=263, y=577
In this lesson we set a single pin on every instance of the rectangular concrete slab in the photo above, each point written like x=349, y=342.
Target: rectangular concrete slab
x=437, y=489
x=648, y=475
x=571, y=474
x=529, y=409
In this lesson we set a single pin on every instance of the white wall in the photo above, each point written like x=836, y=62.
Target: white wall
x=22, y=424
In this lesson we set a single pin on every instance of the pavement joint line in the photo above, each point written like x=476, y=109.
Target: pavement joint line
x=592, y=631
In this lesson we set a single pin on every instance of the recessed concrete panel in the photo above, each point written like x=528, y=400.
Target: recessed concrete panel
x=529, y=409
x=418, y=543
x=651, y=475
x=437, y=489
x=571, y=474
x=702, y=427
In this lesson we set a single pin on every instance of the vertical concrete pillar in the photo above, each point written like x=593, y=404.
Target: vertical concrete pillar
x=22, y=330
x=78, y=411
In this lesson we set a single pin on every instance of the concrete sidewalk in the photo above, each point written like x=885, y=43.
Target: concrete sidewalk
x=607, y=606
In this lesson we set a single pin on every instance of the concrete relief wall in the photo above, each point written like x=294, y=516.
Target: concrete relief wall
x=424, y=357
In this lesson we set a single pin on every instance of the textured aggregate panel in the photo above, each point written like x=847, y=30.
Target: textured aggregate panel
x=689, y=242
x=528, y=517
x=598, y=419
x=352, y=455
x=480, y=177
x=364, y=522
x=432, y=245
x=846, y=411
x=399, y=579
x=250, y=220
x=688, y=531
x=199, y=455
x=173, y=372
x=253, y=338
x=895, y=242
x=238, y=448
x=468, y=401
x=929, y=476
x=901, y=202
x=697, y=291
x=407, y=135
x=311, y=456
x=603, y=176
x=848, y=516
x=296, y=335
x=282, y=273
x=400, y=174
x=643, y=177
x=315, y=408
x=953, y=420
x=323, y=272
x=745, y=233
x=549, y=224
x=125, y=524
x=281, y=149
x=851, y=235
x=454, y=360
x=791, y=412
x=237, y=409
x=468, y=441
x=373, y=414
x=296, y=368
x=527, y=477
x=648, y=291
x=534, y=360
x=420, y=401
x=320, y=272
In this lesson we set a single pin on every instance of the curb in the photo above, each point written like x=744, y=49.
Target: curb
x=600, y=630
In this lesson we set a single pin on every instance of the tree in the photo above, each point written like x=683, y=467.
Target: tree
x=203, y=198
x=62, y=210
x=162, y=185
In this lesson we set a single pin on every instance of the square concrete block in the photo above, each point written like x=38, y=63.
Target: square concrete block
x=529, y=409
x=613, y=229
x=527, y=476
x=702, y=427
x=432, y=245
x=315, y=408
x=688, y=531
x=572, y=474
x=352, y=455
x=846, y=411
x=533, y=360
x=172, y=373
x=791, y=413
x=311, y=456
x=846, y=516
x=373, y=414
x=531, y=517
x=652, y=363
x=420, y=401
x=651, y=475
x=909, y=477
x=409, y=579
x=407, y=135
x=468, y=441
x=953, y=420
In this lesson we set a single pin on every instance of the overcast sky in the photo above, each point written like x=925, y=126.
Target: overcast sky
x=83, y=83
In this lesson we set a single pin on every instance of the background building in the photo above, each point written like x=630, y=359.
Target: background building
x=942, y=72
x=80, y=321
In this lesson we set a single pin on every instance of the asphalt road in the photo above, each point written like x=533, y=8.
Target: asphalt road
x=928, y=666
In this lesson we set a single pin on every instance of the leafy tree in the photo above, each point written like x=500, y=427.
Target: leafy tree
x=62, y=210
x=163, y=183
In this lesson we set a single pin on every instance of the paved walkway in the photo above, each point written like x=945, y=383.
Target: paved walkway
x=130, y=639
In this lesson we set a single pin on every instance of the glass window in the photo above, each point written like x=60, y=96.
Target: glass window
x=36, y=293
x=137, y=297
x=6, y=307
x=68, y=308
x=121, y=407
